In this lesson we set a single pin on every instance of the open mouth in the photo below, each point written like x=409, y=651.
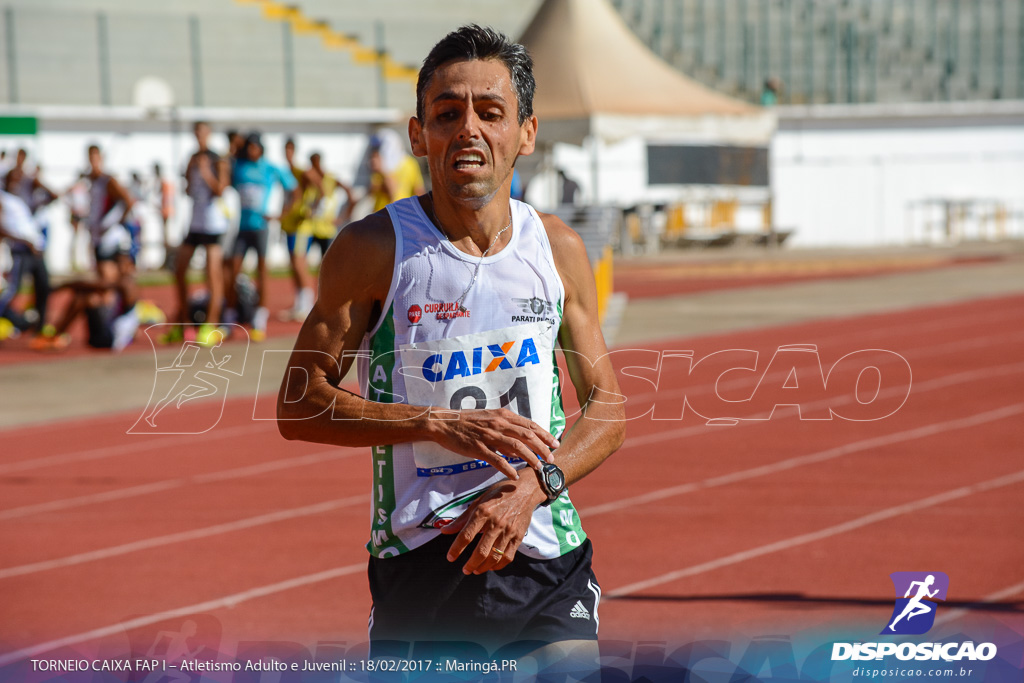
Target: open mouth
x=468, y=160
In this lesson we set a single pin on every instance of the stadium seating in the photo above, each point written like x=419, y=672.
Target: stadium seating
x=270, y=53
x=849, y=51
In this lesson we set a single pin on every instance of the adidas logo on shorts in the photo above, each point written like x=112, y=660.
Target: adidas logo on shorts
x=579, y=611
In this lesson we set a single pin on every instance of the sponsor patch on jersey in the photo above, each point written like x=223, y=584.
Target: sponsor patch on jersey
x=446, y=310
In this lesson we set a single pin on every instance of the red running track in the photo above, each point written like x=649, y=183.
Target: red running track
x=767, y=524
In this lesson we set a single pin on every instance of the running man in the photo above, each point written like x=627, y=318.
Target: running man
x=473, y=535
x=916, y=606
x=254, y=177
x=207, y=175
x=192, y=382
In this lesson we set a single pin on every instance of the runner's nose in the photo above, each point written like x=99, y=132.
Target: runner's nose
x=470, y=126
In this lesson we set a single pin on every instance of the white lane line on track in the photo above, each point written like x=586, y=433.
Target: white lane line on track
x=809, y=459
x=182, y=536
x=218, y=603
x=263, y=591
x=929, y=385
x=168, y=484
x=822, y=534
x=229, y=432
x=287, y=463
x=999, y=595
x=135, y=447
x=753, y=378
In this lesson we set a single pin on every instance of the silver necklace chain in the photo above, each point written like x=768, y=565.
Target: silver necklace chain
x=476, y=271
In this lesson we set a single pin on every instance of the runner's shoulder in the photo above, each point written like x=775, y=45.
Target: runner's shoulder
x=565, y=242
x=362, y=253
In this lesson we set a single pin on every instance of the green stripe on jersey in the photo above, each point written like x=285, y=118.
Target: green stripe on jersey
x=383, y=542
x=564, y=518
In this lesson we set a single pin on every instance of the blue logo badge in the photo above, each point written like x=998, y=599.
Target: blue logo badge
x=916, y=593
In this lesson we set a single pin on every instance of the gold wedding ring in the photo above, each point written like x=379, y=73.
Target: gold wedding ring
x=497, y=554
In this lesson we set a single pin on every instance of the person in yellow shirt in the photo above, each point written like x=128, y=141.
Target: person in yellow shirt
x=322, y=193
x=318, y=208
x=296, y=238
x=394, y=174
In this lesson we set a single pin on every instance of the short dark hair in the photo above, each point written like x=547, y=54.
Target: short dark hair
x=477, y=42
x=94, y=148
x=195, y=126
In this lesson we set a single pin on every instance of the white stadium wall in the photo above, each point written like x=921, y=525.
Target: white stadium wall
x=856, y=176
x=847, y=176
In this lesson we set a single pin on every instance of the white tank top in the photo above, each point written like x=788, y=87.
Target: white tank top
x=499, y=351
x=103, y=212
x=208, y=214
x=16, y=218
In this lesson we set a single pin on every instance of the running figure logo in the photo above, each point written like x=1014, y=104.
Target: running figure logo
x=197, y=372
x=914, y=613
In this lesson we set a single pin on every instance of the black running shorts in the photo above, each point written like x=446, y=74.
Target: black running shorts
x=250, y=239
x=421, y=596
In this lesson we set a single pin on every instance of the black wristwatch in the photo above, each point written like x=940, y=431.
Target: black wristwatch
x=552, y=482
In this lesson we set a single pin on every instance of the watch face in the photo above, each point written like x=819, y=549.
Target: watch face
x=556, y=480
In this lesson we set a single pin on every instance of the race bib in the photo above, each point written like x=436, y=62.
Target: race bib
x=509, y=368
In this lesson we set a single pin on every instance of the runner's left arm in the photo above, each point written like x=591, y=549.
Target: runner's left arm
x=502, y=515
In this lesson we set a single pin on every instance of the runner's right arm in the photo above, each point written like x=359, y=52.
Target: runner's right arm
x=354, y=280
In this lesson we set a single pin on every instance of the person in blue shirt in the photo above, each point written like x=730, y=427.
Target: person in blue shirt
x=254, y=178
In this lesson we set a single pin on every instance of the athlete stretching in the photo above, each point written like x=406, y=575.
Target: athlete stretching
x=429, y=293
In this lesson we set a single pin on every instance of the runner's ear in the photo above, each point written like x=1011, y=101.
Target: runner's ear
x=416, y=137
x=528, y=139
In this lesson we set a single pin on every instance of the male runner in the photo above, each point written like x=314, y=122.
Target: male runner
x=254, y=178
x=207, y=175
x=474, y=537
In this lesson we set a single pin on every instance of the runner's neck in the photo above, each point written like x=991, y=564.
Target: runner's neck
x=472, y=231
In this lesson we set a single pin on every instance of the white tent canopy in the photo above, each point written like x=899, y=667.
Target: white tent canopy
x=596, y=78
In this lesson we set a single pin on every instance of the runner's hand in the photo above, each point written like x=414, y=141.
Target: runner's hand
x=501, y=516
x=481, y=434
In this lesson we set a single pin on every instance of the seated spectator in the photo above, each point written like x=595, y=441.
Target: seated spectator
x=24, y=237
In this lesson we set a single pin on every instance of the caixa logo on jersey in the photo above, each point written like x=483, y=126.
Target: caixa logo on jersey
x=449, y=365
x=914, y=614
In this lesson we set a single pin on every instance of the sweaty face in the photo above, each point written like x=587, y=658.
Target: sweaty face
x=470, y=131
